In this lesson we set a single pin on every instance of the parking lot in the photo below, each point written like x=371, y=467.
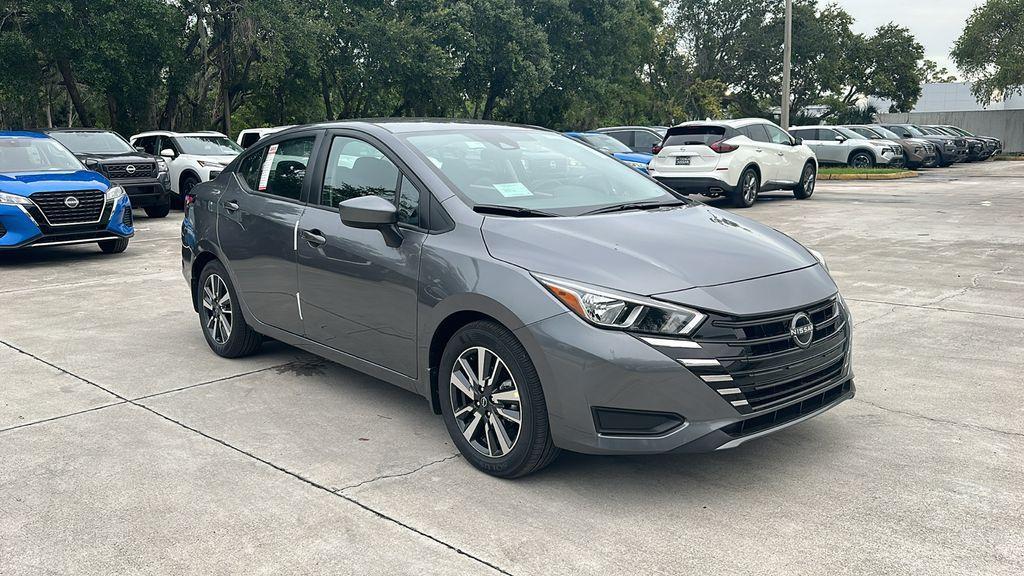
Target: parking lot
x=127, y=446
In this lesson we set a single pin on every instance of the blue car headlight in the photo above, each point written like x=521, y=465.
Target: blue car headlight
x=14, y=199
x=114, y=193
x=635, y=165
x=609, y=309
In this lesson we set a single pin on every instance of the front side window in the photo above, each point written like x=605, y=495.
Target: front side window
x=207, y=145
x=356, y=168
x=284, y=167
x=93, y=142
x=148, y=144
x=777, y=135
x=827, y=135
x=531, y=169
x=250, y=168
x=36, y=155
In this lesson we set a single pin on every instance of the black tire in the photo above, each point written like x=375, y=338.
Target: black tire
x=187, y=184
x=532, y=447
x=747, y=189
x=158, y=211
x=114, y=246
x=862, y=159
x=808, y=179
x=238, y=339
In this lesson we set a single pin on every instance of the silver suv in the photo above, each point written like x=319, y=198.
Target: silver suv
x=838, y=145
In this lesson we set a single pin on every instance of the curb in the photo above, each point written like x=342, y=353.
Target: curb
x=893, y=176
x=1008, y=158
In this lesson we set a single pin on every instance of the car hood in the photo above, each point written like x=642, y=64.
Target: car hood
x=125, y=158
x=225, y=160
x=633, y=157
x=646, y=252
x=25, y=183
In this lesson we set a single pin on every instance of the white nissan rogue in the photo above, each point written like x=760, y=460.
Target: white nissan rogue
x=737, y=159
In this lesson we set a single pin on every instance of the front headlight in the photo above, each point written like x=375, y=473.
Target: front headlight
x=161, y=165
x=950, y=143
x=13, y=199
x=114, y=193
x=210, y=164
x=609, y=309
x=635, y=165
x=820, y=258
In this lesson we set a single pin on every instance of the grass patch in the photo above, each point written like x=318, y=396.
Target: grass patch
x=848, y=170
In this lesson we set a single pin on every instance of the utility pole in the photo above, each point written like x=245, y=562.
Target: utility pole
x=786, y=56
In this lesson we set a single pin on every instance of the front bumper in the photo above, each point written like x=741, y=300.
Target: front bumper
x=26, y=227
x=639, y=379
x=146, y=192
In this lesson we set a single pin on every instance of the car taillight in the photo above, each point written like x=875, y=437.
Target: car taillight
x=189, y=199
x=721, y=147
x=655, y=149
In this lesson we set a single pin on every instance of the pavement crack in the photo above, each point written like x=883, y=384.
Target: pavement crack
x=929, y=307
x=399, y=474
x=940, y=420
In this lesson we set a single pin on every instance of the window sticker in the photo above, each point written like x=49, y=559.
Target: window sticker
x=474, y=145
x=265, y=175
x=513, y=189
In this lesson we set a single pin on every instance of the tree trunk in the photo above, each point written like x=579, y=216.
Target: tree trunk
x=72, y=87
x=325, y=90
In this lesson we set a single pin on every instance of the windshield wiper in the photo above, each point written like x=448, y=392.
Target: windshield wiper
x=634, y=206
x=500, y=210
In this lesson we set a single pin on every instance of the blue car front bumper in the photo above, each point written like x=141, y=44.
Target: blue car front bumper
x=28, y=226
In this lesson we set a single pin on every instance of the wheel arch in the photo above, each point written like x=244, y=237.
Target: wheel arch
x=185, y=174
x=200, y=262
x=868, y=151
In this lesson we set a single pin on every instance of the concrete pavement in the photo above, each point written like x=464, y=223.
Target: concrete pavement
x=126, y=446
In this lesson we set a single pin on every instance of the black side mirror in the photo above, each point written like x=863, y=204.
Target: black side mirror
x=140, y=149
x=797, y=140
x=372, y=212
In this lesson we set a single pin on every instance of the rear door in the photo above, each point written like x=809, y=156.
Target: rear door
x=765, y=153
x=258, y=217
x=686, y=150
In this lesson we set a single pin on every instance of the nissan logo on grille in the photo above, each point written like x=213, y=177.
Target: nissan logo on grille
x=71, y=202
x=802, y=330
x=130, y=169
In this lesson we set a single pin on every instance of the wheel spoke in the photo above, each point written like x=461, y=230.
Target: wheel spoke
x=459, y=381
x=208, y=304
x=225, y=299
x=498, y=364
x=487, y=436
x=510, y=415
x=473, y=425
x=469, y=373
x=225, y=328
x=481, y=360
x=209, y=293
x=500, y=434
x=464, y=410
x=506, y=396
x=210, y=322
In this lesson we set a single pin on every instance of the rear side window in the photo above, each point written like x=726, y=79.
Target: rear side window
x=826, y=134
x=250, y=167
x=755, y=132
x=684, y=135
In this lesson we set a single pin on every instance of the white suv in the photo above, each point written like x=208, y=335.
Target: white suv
x=737, y=159
x=192, y=157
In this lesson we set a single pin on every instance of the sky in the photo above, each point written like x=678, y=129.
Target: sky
x=935, y=23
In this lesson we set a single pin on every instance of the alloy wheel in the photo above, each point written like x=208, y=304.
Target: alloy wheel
x=861, y=161
x=218, y=311
x=750, y=188
x=485, y=402
x=809, y=179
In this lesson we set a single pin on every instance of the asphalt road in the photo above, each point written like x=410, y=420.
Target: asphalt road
x=127, y=447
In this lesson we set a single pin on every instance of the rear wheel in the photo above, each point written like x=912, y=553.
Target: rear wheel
x=114, y=246
x=862, y=160
x=158, y=211
x=224, y=327
x=808, y=178
x=492, y=402
x=747, y=189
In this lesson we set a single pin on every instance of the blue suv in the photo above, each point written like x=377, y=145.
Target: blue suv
x=49, y=198
x=605, y=143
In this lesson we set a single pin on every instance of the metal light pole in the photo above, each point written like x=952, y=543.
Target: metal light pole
x=786, y=53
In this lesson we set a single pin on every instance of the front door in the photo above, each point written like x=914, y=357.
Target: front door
x=259, y=212
x=358, y=294
x=789, y=165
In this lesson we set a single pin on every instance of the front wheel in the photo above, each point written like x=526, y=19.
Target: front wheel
x=492, y=402
x=114, y=246
x=747, y=189
x=808, y=178
x=861, y=160
x=158, y=211
x=225, y=329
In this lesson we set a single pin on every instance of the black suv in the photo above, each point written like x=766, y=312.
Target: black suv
x=143, y=176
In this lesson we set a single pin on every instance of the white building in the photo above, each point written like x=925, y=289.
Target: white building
x=951, y=97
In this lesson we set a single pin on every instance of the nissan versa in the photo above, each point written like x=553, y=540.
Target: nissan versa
x=48, y=198
x=540, y=294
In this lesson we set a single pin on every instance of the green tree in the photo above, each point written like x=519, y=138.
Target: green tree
x=931, y=73
x=990, y=52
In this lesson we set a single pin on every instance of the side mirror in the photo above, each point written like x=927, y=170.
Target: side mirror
x=372, y=212
x=140, y=149
x=840, y=139
x=167, y=153
x=797, y=140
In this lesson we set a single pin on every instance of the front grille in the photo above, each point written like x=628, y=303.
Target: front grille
x=755, y=362
x=127, y=218
x=55, y=207
x=130, y=170
x=792, y=412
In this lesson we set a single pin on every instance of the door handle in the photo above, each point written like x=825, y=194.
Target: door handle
x=780, y=153
x=758, y=150
x=231, y=205
x=314, y=238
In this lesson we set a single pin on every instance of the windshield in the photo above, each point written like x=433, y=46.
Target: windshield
x=207, y=145
x=93, y=142
x=36, y=155
x=605, y=143
x=532, y=170
x=886, y=133
x=868, y=133
x=914, y=130
x=930, y=131
x=849, y=133
x=957, y=130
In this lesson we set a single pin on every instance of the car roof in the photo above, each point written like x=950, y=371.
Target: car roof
x=408, y=125
x=21, y=134
x=609, y=128
x=171, y=133
x=731, y=123
x=71, y=129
